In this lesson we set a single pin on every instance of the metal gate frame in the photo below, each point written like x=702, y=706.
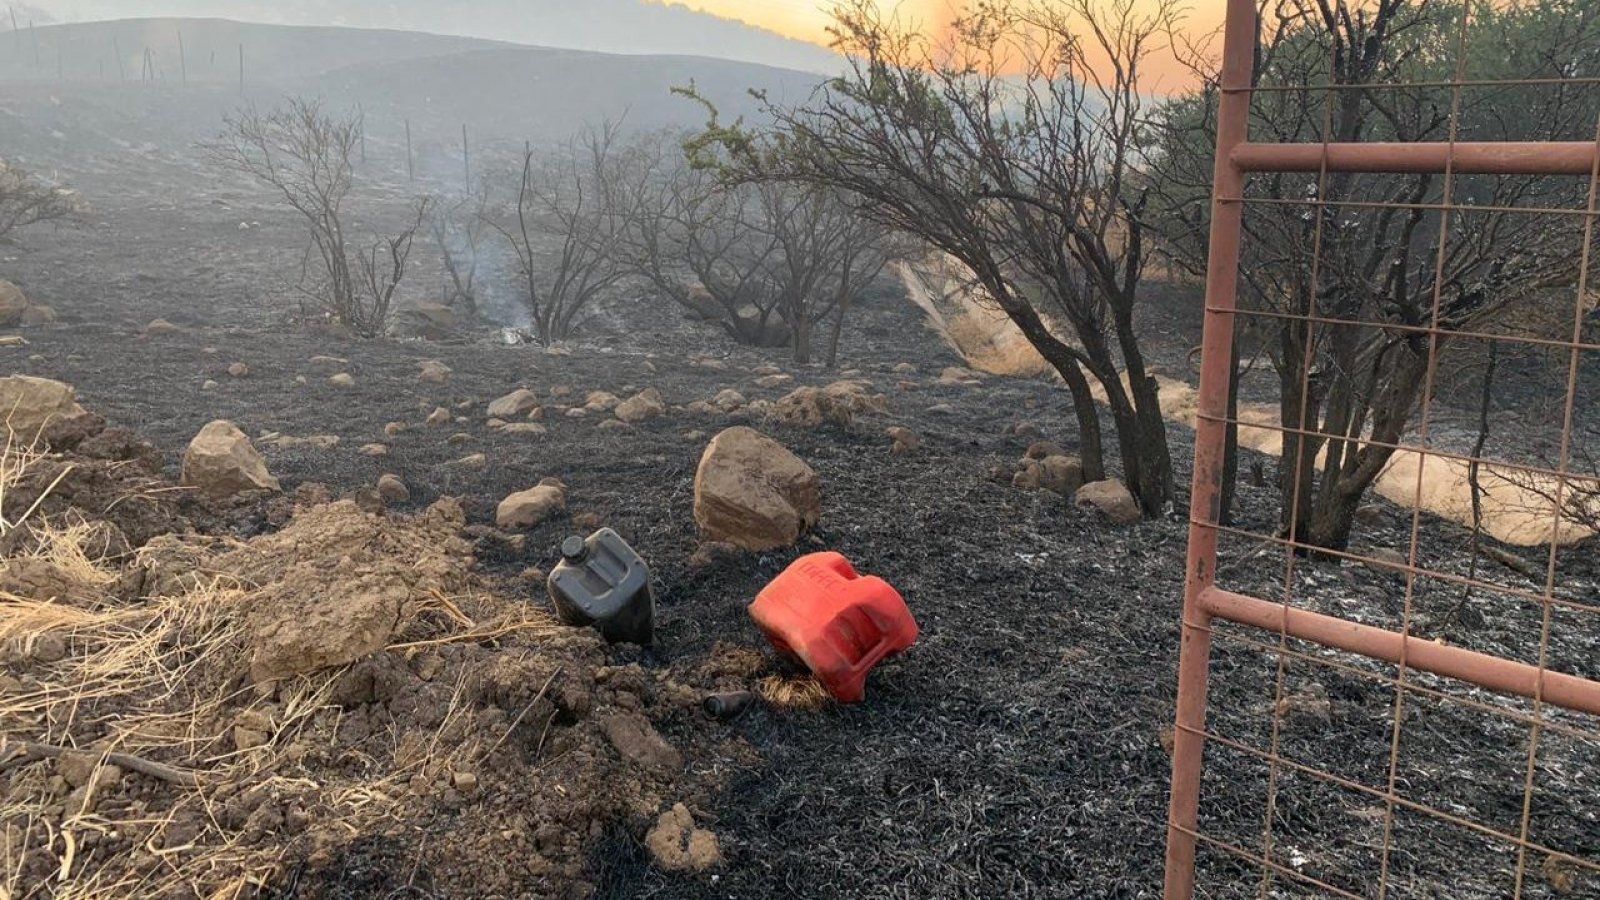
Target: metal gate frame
x=1204, y=601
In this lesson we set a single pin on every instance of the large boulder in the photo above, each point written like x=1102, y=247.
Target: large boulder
x=31, y=406
x=222, y=462
x=514, y=405
x=751, y=491
x=13, y=304
x=641, y=407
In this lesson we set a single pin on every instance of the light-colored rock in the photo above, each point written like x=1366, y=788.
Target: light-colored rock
x=577, y=412
x=728, y=400
x=959, y=375
x=394, y=428
x=525, y=428
x=13, y=304
x=476, y=462
x=641, y=407
x=772, y=381
x=222, y=462
x=374, y=450
x=209, y=385
x=514, y=405
x=238, y=370
x=613, y=425
x=392, y=489
x=329, y=363
x=29, y=404
x=905, y=440
x=439, y=417
x=905, y=368
x=429, y=321
x=459, y=439
x=434, y=372
x=838, y=403
x=525, y=509
x=342, y=380
x=1062, y=474
x=751, y=491
x=38, y=315
x=600, y=401
x=1111, y=498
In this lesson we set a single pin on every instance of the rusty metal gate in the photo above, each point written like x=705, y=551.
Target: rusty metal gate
x=1291, y=629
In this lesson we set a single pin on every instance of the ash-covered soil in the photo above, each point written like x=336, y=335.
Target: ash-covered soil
x=1017, y=750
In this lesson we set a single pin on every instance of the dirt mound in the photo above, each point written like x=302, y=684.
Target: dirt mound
x=342, y=708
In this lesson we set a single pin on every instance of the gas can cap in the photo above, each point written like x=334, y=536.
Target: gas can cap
x=574, y=549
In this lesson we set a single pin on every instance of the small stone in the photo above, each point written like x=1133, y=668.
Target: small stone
x=772, y=381
x=905, y=368
x=495, y=424
x=613, y=425
x=76, y=767
x=459, y=439
x=1112, y=498
x=525, y=509
x=465, y=782
x=342, y=380
x=434, y=372
x=678, y=846
x=394, y=428
x=577, y=412
x=329, y=363
x=476, y=462
x=905, y=440
x=161, y=328
x=392, y=489
x=525, y=428
x=374, y=450
x=301, y=379
x=641, y=407
x=440, y=416
x=209, y=385
x=514, y=405
x=238, y=370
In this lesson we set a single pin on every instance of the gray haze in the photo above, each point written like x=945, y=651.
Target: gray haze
x=610, y=26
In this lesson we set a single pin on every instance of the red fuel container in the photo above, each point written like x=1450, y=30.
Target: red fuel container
x=840, y=624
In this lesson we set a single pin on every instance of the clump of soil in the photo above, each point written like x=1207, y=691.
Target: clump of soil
x=345, y=707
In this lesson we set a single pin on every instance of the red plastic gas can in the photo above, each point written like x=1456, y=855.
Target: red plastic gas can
x=839, y=623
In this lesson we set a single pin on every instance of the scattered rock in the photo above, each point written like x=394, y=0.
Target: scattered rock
x=1043, y=449
x=13, y=304
x=766, y=370
x=476, y=462
x=342, y=380
x=905, y=368
x=392, y=489
x=1030, y=477
x=614, y=425
x=209, y=385
x=1062, y=474
x=439, y=417
x=514, y=405
x=941, y=409
x=394, y=428
x=600, y=401
x=301, y=379
x=1025, y=430
x=314, y=441
x=459, y=439
x=222, y=462
x=1111, y=498
x=678, y=846
x=34, y=407
x=577, y=412
x=528, y=428
x=238, y=370
x=13, y=340
x=495, y=424
x=329, y=363
x=374, y=450
x=838, y=403
x=728, y=400
x=76, y=767
x=772, y=381
x=38, y=315
x=526, y=509
x=586, y=521
x=959, y=375
x=465, y=782
x=749, y=490
x=905, y=440
x=434, y=372
x=641, y=407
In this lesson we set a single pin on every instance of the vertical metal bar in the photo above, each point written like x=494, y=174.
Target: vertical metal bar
x=1222, y=286
x=183, y=58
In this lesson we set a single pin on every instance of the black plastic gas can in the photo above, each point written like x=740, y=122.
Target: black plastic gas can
x=602, y=582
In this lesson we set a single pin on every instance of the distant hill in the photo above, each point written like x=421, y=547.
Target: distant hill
x=607, y=26
x=97, y=89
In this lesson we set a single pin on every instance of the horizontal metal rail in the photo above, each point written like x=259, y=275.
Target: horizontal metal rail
x=1492, y=672
x=1462, y=158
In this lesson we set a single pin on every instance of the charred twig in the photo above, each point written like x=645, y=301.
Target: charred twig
x=33, y=751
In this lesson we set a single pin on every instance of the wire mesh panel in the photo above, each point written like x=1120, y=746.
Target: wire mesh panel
x=1387, y=685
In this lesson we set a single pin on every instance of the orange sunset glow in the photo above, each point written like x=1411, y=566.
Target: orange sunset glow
x=808, y=20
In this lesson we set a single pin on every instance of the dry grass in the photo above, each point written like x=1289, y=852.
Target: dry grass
x=803, y=694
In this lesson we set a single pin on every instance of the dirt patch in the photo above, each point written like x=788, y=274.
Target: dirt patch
x=345, y=707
